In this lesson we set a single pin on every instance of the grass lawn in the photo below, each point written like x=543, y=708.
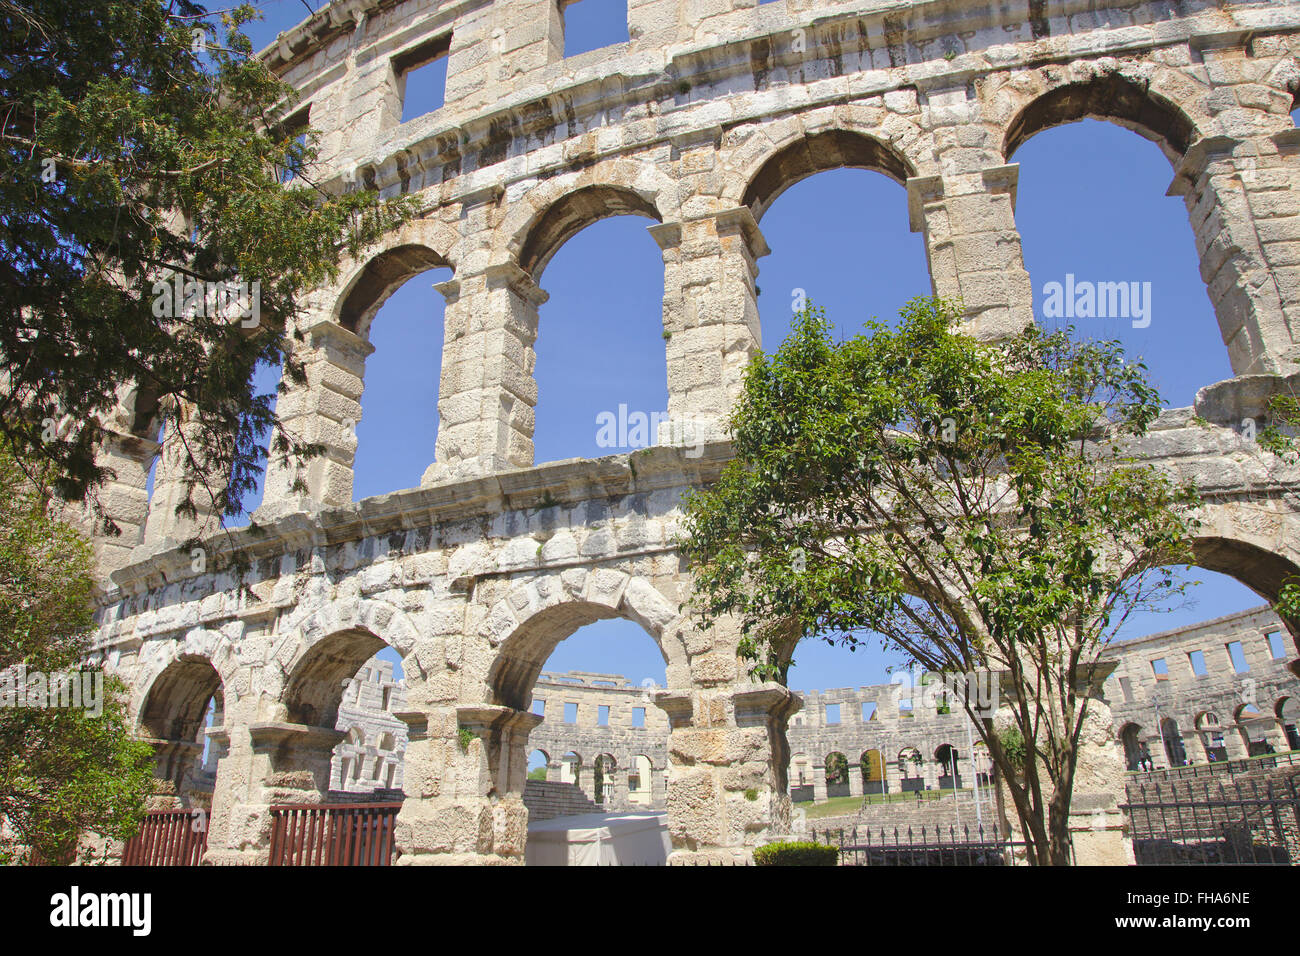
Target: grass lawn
x=840, y=806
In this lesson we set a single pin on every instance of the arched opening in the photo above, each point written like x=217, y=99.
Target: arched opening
x=601, y=357
x=837, y=774
x=872, y=764
x=1288, y=717
x=603, y=780
x=393, y=307
x=595, y=674
x=539, y=764
x=329, y=740
x=1211, y=733
x=1130, y=736
x=181, y=711
x=1112, y=98
x=834, y=214
x=910, y=769
x=571, y=771
x=640, y=781
x=1254, y=728
x=1128, y=267
x=371, y=757
x=945, y=756
x=1172, y=741
x=1187, y=661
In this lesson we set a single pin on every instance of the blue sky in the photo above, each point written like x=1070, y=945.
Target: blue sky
x=1091, y=203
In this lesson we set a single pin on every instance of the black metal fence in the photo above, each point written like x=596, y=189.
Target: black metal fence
x=923, y=846
x=1215, y=822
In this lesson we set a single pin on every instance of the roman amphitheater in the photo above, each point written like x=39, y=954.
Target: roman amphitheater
x=697, y=123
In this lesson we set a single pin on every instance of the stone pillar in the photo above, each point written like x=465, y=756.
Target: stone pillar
x=325, y=410
x=169, y=488
x=124, y=499
x=658, y=787
x=819, y=782
x=1243, y=199
x=711, y=323
x=488, y=391
x=464, y=798
x=279, y=762
x=968, y=220
x=856, y=787
x=727, y=787
x=1098, y=827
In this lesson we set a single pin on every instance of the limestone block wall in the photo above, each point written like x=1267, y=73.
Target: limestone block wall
x=634, y=768
x=371, y=755
x=697, y=124
x=1184, y=717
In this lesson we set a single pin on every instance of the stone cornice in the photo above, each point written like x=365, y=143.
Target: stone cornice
x=654, y=76
x=562, y=483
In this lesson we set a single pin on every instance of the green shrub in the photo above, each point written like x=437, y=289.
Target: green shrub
x=792, y=853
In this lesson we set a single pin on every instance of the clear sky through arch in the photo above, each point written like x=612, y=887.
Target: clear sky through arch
x=1090, y=203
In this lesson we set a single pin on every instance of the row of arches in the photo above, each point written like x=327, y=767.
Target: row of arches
x=1250, y=732
x=533, y=235
x=610, y=783
x=909, y=770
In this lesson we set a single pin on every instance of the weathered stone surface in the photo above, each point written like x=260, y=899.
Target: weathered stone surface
x=716, y=109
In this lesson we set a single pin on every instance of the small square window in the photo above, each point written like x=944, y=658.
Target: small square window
x=868, y=711
x=1238, y=657
x=832, y=713
x=422, y=77
x=602, y=715
x=638, y=716
x=1197, y=660
x=1160, y=668
x=570, y=713
x=539, y=708
x=593, y=24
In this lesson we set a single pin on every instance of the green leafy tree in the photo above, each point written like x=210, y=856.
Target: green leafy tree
x=1279, y=436
x=63, y=771
x=969, y=503
x=143, y=144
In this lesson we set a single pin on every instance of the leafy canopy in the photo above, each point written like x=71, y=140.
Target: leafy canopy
x=62, y=771
x=955, y=497
x=141, y=140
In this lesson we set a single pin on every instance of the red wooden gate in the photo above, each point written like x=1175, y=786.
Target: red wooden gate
x=168, y=838
x=333, y=834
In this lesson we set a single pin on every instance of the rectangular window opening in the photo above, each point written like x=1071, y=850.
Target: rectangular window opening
x=1160, y=668
x=1127, y=687
x=1276, y=649
x=868, y=711
x=832, y=713
x=1197, y=660
x=422, y=77
x=570, y=713
x=294, y=128
x=602, y=715
x=1238, y=657
x=638, y=716
x=593, y=24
